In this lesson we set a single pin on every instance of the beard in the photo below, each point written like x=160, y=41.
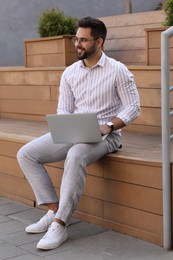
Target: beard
x=83, y=54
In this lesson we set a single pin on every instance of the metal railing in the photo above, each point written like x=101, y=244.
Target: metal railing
x=166, y=136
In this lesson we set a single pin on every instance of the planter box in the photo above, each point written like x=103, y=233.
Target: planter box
x=49, y=51
x=153, y=45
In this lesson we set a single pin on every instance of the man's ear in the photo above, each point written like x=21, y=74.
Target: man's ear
x=100, y=42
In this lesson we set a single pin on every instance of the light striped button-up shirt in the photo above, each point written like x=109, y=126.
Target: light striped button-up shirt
x=107, y=89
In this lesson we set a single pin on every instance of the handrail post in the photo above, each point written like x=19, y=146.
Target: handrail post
x=166, y=147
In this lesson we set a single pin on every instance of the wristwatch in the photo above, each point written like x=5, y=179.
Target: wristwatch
x=111, y=125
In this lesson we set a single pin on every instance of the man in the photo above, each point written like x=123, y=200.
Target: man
x=96, y=83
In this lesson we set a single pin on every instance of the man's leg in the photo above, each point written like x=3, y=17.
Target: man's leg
x=78, y=158
x=31, y=158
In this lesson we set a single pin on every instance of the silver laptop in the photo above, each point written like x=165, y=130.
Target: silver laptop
x=74, y=128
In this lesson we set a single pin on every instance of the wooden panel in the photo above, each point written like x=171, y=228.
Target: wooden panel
x=41, y=107
x=155, y=56
x=154, y=38
x=26, y=117
x=134, y=18
x=55, y=174
x=29, y=202
x=144, y=129
x=128, y=57
x=16, y=186
x=133, y=31
x=10, y=166
x=146, y=78
x=31, y=77
x=44, y=47
x=125, y=44
x=149, y=116
x=26, y=92
x=96, y=168
x=141, y=234
x=140, y=174
x=8, y=148
x=46, y=60
x=138, y=197
x=91, y=206
x=150, y=97
x=134, y=218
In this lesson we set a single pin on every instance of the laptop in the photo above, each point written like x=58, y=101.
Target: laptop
x=74, y=128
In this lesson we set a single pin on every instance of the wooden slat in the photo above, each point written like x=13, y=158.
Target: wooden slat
x=155, y=56
x=41, y=107
x=141, y=234
x=10, y=166
x=25, y=92
x=134, y=218
x=31, y=77
x=122, y=44
x=135, y=18
x=133, y=173
x=40, y=47
x=16, y=186
x=128, y=57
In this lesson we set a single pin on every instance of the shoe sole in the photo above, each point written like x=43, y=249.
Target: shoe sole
x=53, y=246
x=35, y=231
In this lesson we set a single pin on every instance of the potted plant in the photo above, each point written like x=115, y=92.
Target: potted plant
x=168, y=9
x=153, y=36
x=54, y=47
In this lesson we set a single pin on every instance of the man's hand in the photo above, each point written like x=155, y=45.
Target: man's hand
x=104, y=129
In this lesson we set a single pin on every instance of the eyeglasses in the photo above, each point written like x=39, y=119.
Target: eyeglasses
x=82, y=40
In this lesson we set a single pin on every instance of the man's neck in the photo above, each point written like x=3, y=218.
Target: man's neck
x=91, y=61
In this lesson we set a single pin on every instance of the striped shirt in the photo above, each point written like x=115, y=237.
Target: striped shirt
x=108, y=89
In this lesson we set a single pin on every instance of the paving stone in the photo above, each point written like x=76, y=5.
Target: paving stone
x=4, y=201
x=28, y=216
x=11, y=208
x=84, y=229
x=28, y=257
x=11, y=226
x=31, y=248
x=22, y=238
x=77, y=253
x=8, y=251
x=4, y=219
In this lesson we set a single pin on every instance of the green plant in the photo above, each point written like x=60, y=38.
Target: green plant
x=53, y=22
x=168, y=8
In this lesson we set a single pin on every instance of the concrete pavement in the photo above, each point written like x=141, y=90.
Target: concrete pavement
x=86, y=241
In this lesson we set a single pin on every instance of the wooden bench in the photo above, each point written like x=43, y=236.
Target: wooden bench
x=123, y=190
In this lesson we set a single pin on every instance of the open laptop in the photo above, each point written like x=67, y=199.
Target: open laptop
x=74, y=128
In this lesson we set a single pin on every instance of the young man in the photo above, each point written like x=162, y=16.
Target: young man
x=96, y=83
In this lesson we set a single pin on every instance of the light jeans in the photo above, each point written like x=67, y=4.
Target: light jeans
x=35, y=154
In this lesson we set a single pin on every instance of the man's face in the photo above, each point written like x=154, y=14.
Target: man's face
x=85, y=44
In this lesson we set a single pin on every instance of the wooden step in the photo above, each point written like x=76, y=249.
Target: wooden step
x=126, y=39
x=30, y=94
x=123, y=190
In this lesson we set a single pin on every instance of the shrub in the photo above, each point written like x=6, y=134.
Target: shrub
x=168, y=8
x=53, y=22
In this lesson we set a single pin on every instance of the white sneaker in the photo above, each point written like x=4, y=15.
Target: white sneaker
x=43, y=224
x=54, y=237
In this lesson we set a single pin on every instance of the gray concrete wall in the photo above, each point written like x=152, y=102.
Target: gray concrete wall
x=19, y=18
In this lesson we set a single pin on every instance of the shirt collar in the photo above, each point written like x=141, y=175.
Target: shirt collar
x=100, y=62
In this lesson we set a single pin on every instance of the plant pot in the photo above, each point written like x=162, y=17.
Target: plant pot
x=49, y=51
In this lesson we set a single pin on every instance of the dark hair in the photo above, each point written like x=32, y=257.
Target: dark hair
x=98, y=28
